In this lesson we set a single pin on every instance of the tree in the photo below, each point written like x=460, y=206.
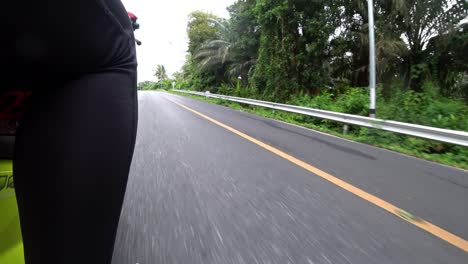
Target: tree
x=294, y=51
x=216, y=52
x=403, y=30
x=420, y=21
x=178, y=76
x=233, y=51
x=449, y=62
x=350, y=46
x=200, y=29
x=146, y=85
x=160, y=73
x=245, y=36
x=285, y=47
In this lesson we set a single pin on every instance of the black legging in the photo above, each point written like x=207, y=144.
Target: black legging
x=76, y=139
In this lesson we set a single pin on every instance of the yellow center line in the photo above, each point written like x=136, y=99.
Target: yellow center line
x=425, y=225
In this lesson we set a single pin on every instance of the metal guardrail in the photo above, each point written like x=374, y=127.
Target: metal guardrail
x=439, y=134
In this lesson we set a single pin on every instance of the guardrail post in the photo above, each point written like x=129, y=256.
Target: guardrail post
x=345, y=129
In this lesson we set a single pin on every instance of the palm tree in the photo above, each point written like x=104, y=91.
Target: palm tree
x=214, y=53
x=160, y=72
x=388, y=47
x=222, y=53
x=419, y=22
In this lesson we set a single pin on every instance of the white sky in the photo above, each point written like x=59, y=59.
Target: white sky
x=163, y=31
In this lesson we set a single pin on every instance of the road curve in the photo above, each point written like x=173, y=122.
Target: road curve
x=199, y=193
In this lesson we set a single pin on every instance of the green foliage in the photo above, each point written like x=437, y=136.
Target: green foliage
x=294, y=55
x=226, y=89
x=354, y=101
x=426, y=108
x=449, y=62
x=229, y=53
x=160, y=73
x=286, y=47
x=200, y=29
x=146, y=85
x=164, y=84
x=281, y=48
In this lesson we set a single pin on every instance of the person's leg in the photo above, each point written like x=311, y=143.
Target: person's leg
x=75, y=142
x=72, y=157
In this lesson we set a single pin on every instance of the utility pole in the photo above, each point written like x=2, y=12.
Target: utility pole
x=372, y=112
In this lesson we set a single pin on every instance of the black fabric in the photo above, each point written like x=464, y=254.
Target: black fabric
x=75, y=140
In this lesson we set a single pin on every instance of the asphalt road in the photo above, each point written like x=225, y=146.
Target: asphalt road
x=199, y=193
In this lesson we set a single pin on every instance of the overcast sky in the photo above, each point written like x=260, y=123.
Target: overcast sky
x=163, y=31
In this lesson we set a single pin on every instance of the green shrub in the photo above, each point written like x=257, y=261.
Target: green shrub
x=354, y=101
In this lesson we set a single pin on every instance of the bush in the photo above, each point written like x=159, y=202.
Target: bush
x=226, y=89
x=354, y=101
x=425, y=108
